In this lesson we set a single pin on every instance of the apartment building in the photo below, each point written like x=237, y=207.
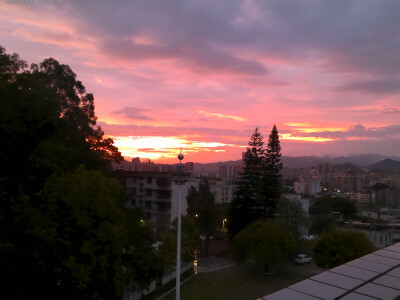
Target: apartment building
x=157, y=194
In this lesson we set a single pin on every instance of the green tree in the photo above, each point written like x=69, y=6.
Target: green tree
x=82, y=256
x=245, y=206
x=259, y=186
x=140, y=260
x=335, y=248
x=202, y=208
x=263, y=241
x=327, y=204
x=190, y=240
x=64, y=231
x=272, y=179
x=322, y=223
x=291, y=216
x=80, y=243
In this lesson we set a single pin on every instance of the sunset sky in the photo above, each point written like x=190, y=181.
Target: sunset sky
x=202, y=74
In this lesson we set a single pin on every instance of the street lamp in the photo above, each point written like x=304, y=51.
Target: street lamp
x=179, y=181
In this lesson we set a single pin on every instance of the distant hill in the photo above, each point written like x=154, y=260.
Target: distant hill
x=386, y=166
x=360, y=160
x=358, y=163
x=348, y=167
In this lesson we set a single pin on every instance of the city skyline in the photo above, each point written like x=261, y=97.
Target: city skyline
x=203, y=75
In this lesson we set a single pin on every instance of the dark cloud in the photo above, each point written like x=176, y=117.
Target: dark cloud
x=132, y=113
x=358, y=36
x=391, y=111
x=375, y=86
x=148, y=130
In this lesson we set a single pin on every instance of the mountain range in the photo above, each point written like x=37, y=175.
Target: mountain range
x=364, y=162
x=360, y=163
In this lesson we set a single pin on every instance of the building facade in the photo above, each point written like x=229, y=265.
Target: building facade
x=157, y=194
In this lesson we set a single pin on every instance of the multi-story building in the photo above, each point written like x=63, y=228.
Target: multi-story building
x=381, y=235
x=157, y=194
x=309, y=186
x=348, y=182
x=363, y=196
x=222, y=190
x=229, y=171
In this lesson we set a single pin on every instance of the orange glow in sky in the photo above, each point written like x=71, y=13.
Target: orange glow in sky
x=203, y=76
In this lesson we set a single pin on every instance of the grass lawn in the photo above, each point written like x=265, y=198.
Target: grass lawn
x=245, y=281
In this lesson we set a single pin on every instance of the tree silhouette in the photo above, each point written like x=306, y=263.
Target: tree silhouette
x=245, y=206
x=64, y=230
x=259, y=186
x=272, y=179
x=202, y=208
x=263, y=241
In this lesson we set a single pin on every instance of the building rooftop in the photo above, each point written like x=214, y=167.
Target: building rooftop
x=374, y=276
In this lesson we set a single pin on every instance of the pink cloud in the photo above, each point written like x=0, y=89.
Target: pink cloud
x=212, y=73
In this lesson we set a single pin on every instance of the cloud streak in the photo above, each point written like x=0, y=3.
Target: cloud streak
x=134, y=113
x=211, y=71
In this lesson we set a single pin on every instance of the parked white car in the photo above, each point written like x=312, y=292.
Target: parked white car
x=302, y=259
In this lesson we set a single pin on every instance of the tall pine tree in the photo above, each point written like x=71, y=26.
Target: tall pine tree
x=259, y=186
x=271, y=181
x=244, y=208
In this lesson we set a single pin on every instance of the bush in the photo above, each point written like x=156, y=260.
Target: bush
x=335, y=248
x=263, y=241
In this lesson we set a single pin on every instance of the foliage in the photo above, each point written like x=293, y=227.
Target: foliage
x=85, y=250
x=190, y=239
x=322, y=223
x=259, y=186
x=80, y=243
x=327, y=204
x=263, y=241
x=291, y=216
x=272, y=179
x=64, y=230
x=141, y=262
x=221, y=210
x=244, y=205
x=338, y=247
x=46, y=106
x=202, y=208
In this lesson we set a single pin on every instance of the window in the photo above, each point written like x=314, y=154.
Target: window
x=148, y=204
x=149, y=180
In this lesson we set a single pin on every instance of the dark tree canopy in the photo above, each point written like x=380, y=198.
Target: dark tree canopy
x=64, y=230
x=263, y=241
x=291, y=216
x=244, y=208
x=271, y=181
x=327, y=204
x=259, y=187
x=190, y=241
x=335, y=248
x=202, y=208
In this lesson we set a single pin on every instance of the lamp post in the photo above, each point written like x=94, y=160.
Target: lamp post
x=180, y=181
